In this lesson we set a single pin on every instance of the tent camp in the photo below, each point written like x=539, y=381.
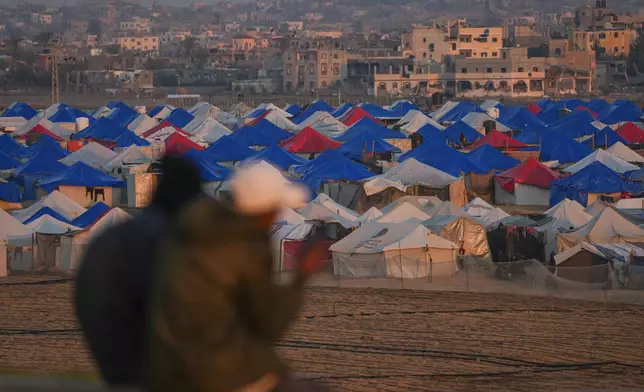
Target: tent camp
x=208, y=131
x=611, y=161
x=402, y=213
x=131, y=156
x=493, y=216
x=596, y=207
x=463, y=230
x=623, y=152
x=92, y=154
x=404, y=250
x=370, y=215
x=309, y=141
x=57, y=202
x=13, y=237
x=478, y=208
x=526, y=184
x=413, y=121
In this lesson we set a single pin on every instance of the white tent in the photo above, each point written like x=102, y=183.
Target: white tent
x=476, y=121
x=493, y=216
x=379, y=184
x=73, y=246
x=324, y=213
x=325, y=201
x=204, y=109
x=489, y=104
x=57, y=202
x=447, y=208
x=616, y=164
x=13, y=234
x=133, y=155
x=47, y=224
x=14, y=123
x=630, y=204
x=443, y=110
x=569, y=211
x=370, y=215
x=208, y=131
x=402, y=213
x=596, y=208
x=393, y=250
x=609, y=227
x=92, y=154
x=54, y=128
x=421, y=202
x=478, y=207
x=414, y=120
x=412, y=172
x=141, y=124
x=623, y=152
x=280, y=120
x=164, y=112
x=271, y=107
x=163, y=133
x=324, y=123
x=290, y=217
x=239, y=109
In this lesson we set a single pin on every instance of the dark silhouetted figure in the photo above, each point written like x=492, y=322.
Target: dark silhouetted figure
x=116, y=273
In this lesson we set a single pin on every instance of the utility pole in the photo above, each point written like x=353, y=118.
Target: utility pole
x=55, y=90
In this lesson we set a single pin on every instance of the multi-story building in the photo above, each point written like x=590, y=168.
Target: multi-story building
x=480, y=42
x=139, y=43
x=139, y=25
x=244, y=43
x=606, y=41
x=314, y=65
x=429, y=42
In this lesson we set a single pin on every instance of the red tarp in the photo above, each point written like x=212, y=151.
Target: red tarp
x=308, y=141
x=292, y=250
x=354, y=115
x=497, y=139
x=587, y=110
x=534, y=108
x=631, y=133
x=162, y=126
x=530, y=172
x=179, y=144
x=43, y=131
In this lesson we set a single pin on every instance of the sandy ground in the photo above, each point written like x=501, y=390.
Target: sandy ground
x=365, y=339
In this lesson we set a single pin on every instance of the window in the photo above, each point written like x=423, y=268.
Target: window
x=483, y=54
x=406, y=85
x=394, y=85
x=335, y=56
x=424, y=55
x=535, y=69
x=424, y=40
x=463, y=70
x=489, y=70
x=431, y=47
x=495, y=54
x=520, y=69
x=324, y=69
x=336, y=69
x=311, y=69
x=602, y=35
x=503, y=70
x=289, y=69
x=616, y=35
x=494, y=39
x=323, y=56
x=454, y=46
x=324, y=84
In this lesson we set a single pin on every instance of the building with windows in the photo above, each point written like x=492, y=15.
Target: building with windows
x=139, y=25
x=139, y=43
x=313, y=65
x=606, y=41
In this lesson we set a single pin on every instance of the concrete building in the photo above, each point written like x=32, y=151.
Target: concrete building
x=243, y=43
x=139, y=43
x=138, y=25
x=314, y=65
x=607, y=41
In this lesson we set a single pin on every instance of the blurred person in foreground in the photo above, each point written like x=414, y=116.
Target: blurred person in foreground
x=217, y=313
x=114, y=278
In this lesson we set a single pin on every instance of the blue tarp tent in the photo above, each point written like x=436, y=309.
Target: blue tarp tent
x=594, y=178
x=563, y=150
x=179, y=118
x=518, y=118
x=599, y=106
x=156, y=110
x=45, y=145
x=605, y=138
x=45, y=211
x=371, y=127
x=379, y=112
x=278, y=157
x=255, y=113
x=7, y=162
x=336, y=170
x=489, y=158
x=342, y=110
x=41, y=165
x=68, y=114
x=432, y=135
x=293, y=109
x=624, y=112
x=454, y=131
x=367, y=143
x=80, y=174
x=91, y=216
x=401, y=108
x=10, y=192
x=102, y=129
x=322, y=159
x=122, y=114
x=307, y=111
x=461, y=110
x=574, y=125
x=534, y=135
x=209, y=170
x=263, y=133
x=227, y=149
x=9, y=146
x=129, y=138
x=443, y=158
x=20, y=109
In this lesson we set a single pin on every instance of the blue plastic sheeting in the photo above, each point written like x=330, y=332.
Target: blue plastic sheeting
x=122, y=114
x=635, y=175
x=489, y=158
x=563, y=150
x=454, y=131
x=324, y=158
x=80, y=174
x=179, y=118
x=367, y=143
x=227, y=149
x=432, y=135
x=209, y=170
x=605, y=138
x=518, y=118
x=102, y=129
x=128, y=139
x=575, y=124
x=598, y=106
x=69, y=114
x=264, y=133
x=342, y=110
x=336, y=170
x=156, y=110
x=20, y=109
x=45, y=211
x=255, y=113
x=623, y=112
x=7, y=162
x=370, y=127
x=380, y=112
x=443, y=158
x=45, y=145
x=594, y=178
x=9, y=146
x=293, y=109
x=91, y=216
x=307, y=111
x=10, y=192
x=461, y=110
x=41, y=165
x=279, y=157
x=401, y=108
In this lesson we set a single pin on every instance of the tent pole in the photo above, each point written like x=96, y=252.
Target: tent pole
x=402, y=280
